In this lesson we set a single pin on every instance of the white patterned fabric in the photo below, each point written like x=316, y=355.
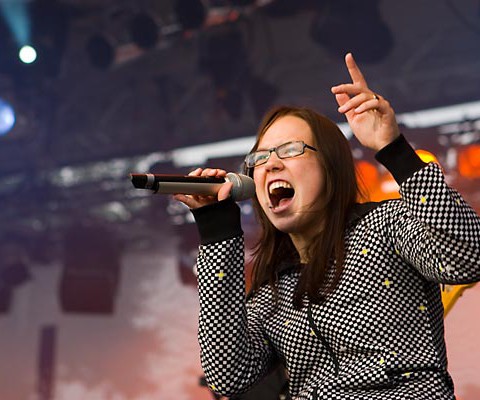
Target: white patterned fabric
x=380, y=335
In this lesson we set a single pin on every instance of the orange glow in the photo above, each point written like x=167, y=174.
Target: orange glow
x=367, y=177
x=367, y=172
x=469, y=161
x=374, y=185
x=426, y=156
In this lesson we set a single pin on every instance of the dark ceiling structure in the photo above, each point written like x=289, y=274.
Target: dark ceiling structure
x=119, y=85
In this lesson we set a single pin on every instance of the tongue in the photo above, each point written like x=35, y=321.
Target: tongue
x=283, y=201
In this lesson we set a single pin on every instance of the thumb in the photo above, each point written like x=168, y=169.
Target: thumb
x=224, y=191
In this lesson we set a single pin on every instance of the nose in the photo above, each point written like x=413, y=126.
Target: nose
x=274, y=162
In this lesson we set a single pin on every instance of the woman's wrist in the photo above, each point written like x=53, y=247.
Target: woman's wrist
x=218, y=221
x=400, y=159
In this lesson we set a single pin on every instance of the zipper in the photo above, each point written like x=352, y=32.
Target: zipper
x=322, y=339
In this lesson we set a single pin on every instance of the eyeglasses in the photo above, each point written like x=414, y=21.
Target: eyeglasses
x=285, y=150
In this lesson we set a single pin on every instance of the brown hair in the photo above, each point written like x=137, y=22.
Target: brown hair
x=275, y=248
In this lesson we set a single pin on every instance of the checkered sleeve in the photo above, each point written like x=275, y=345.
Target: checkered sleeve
x=233, y=350
x=433, y=228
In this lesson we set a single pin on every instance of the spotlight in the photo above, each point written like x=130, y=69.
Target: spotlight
x=191, y=14
x=7, y=117
x=144, y=31
x=469, y=161
x=100, y=52
x=426, y=156
x=27, y=54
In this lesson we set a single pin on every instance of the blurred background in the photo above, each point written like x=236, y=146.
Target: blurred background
x=97, y=292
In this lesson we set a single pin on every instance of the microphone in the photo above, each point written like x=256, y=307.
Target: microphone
x=243, y=186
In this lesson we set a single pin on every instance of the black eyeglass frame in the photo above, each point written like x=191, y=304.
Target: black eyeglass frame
x=249, y=170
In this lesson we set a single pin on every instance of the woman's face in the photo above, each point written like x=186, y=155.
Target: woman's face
x=290, y=190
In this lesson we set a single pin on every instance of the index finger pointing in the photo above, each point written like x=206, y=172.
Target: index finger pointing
x=353, y=70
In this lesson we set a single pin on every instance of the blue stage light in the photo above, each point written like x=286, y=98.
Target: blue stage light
x=27, y=54
x=7, y=117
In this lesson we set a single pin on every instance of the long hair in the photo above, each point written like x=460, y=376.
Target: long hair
x=326, y=251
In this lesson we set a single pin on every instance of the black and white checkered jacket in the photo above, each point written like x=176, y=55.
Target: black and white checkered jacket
x=380, y=335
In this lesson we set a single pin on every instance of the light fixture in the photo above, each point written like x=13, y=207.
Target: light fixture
x=27, y=54
x=469, y=161
x=144, y=31
x=7, y=117
x=100, y=51
x=426, y=156
x=191, y=14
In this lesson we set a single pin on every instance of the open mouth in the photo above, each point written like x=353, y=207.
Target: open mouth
x=280, y=192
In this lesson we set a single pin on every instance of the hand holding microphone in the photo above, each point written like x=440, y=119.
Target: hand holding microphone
x=200, y=187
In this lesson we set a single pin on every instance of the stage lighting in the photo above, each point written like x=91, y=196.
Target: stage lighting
x=375, y=184
x=191, y=14
x=144, y=31
x=27, y=54
x=7, y=117
x=469, y=161
x=100, y=51
x=368, y=179
x=426, y=156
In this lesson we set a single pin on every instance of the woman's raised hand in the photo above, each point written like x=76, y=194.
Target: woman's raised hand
x=194, y=201
x=369, y=115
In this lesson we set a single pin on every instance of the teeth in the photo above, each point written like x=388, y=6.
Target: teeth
x=279, y=184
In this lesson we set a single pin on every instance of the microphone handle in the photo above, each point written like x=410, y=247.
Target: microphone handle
x=200, y=189
x=172, y=184
x=243, y=186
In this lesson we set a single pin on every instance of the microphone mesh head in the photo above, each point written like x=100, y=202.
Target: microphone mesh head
x=243, y=186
